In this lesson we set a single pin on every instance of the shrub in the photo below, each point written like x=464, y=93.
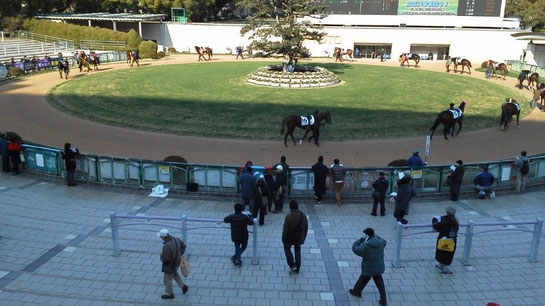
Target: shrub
x=171, y=50
x=133, y=40
x=147, y=49
x=161, y=54
x=16, y=71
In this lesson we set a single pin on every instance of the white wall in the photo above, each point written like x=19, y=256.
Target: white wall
x=475, y=45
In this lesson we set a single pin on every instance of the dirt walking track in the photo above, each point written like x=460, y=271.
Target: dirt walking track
x=24, y=109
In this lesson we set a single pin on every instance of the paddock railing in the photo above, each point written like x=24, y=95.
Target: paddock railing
x=519, y=66
x=145, y=220
x=224, y=178
x=470, y=233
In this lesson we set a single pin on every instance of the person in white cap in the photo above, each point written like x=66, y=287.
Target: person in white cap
x=171, y=255
x=447, y=226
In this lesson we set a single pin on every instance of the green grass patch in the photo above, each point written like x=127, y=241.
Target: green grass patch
x=213, y=100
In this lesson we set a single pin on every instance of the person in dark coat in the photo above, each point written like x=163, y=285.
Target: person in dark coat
x=271, y=184
x=447, y=226
x=405, y=193
x=294, y=234
x=280, y=189
x=415, y=160
x=4, y=152
x=14, y=152
x=247, y=182
x=320, y=174
x=457, y=178
x=171, y=255
x=261, y=197
x=239, y=232
x=379, y=194
x=371, y=250
x=483, y=182
x=69, y=155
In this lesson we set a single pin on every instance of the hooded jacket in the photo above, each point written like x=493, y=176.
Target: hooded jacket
x=372, y=255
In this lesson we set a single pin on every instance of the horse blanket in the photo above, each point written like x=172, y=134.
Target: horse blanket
x=496, y=64
x=459, y=60
x=456, y=113
x=516, y=104
x=307, y=120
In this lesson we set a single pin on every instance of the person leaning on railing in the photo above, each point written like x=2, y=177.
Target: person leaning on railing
x=447, y=226
x=483, y=182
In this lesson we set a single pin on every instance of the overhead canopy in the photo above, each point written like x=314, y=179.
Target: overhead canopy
x=536, y=37
x=121, y=17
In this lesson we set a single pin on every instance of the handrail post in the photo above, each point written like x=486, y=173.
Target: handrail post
x=538, y=227
x=255, y=259
x=397, y=252
x=115, y=238
x=184, y=229
x=468, y=242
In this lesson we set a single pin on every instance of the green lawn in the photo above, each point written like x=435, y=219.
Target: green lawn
x=212, y=100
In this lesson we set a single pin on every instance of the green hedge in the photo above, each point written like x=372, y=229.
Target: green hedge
x=77, y=32
x=147, y=49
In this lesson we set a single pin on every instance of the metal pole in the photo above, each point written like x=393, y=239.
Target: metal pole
x=467, y=243
x=115, y=238
x=184, y=229
x=397, y=252
x=255, y=259
x=535, y=240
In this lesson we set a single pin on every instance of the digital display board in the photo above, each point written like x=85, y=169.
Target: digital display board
x=414, y=7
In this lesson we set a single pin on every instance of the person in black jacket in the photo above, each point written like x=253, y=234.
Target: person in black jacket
x=239, y=232
x=281, y=188
x=69, y=155
x=271, y=184
x=320, y=174
x=379, y=194
x=457, y=178
x=447, y=226
x=261, y=197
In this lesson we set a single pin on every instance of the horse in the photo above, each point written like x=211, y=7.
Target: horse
x=533, y=79
x=523, y=75
x=497, y=66
x=290, y=122
x=204, y=51
x=82, y=62
x=94, y=60
x=338, y=55
x=128, y=54
x=447, y=119
x=458, y=61
x=508, y=109
x=409, y=56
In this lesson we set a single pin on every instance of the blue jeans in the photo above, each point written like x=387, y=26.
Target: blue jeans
x=240, y=247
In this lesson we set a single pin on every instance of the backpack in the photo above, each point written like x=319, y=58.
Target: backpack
x=525, y=167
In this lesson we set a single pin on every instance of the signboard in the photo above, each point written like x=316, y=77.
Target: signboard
x=440, y=8
x=417, y=174
x=164, y=170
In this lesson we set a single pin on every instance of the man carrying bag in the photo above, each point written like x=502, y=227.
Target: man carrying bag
x=171, y=256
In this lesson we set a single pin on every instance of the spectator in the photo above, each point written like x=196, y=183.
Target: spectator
x=371, y=250
x=483, y=182
x=406, y=179
x=415, y=160
x=239, y=52
x=320, y=174
x=457, y=179
x=382, y=55
x=261, y=197
x=171, y=255
x=447, y=226
x=285, y=167
x=69, y=155
x=294, y=234
x=338, y=174
x=14, y=151
x=4, y=152
x=405, y=192
x=271, y=185
x=247, y=182
x=379, y=194
x=522, y=164
x=239, y=232
x=281, y=183
x=489, y=69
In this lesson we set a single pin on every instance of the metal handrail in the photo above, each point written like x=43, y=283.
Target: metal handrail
x=470, y=225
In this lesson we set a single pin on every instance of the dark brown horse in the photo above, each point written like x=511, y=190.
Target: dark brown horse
x=458, y=61
x=533, y=79
x=338, y=55
x=497, y=66
x=290, y=122
x=447, y=119
x=204, y=51
x=409, y=56
x=508, y=109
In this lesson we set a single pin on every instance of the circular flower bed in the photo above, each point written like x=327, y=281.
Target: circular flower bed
x=302, y=77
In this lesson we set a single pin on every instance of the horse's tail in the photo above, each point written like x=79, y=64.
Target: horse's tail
x=469, y=63
x=436, y=124
x=283, y=126
x=211, y=53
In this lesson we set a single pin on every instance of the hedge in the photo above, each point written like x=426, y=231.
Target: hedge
x=147, y=49
x=77, y=32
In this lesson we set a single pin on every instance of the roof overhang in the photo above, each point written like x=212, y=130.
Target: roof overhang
x=121, y=17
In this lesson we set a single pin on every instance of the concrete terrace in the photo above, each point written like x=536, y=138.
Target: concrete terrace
x=55, y=249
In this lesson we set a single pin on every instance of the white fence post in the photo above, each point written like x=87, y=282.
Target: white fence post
x=255, y=259
x=468, y=242
x=535, y=239
x=397, y=251
x=115, y=238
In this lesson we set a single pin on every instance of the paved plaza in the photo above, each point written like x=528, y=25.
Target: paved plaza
x=56, y=249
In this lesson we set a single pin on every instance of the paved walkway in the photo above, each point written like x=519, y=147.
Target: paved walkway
x=55, y=248
x=25, y=110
